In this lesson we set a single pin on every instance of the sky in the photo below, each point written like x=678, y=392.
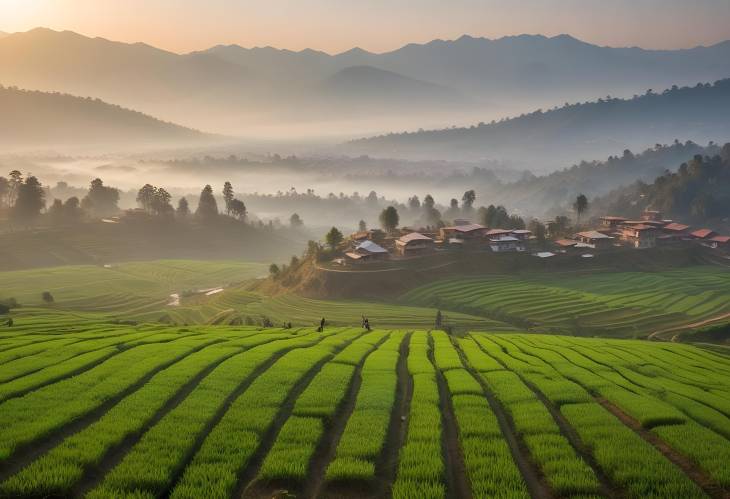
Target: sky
x=376, y=25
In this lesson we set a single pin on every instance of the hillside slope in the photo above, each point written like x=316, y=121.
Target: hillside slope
x=39, y=118
x=566, y=134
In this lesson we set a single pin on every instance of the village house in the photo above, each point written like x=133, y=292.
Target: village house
x=368, y=235
x=612, y=222
x=675, y=229
x=639, y=236
x=722, y=242
x=506, y=243
x=367, y=251
x=703, y=234
x=497, y=233
x=413, y=244
x=594, y=239
x=651, y=215
x=458, y=234
x=521, y=234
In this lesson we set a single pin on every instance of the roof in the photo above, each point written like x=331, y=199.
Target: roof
x=642, y=227
x=613, y=219
x=587, y=255
x=496, y=232
x=593, y=234
x=566, y=242
x=703, y=233
x=544, y=254
x=721, y=239
x=521, y=231
x=507, y=239
x=371, y=247
x=361, y=235
x=466, y=228
x=414, y=236
x=353, y=255
x=676, y=227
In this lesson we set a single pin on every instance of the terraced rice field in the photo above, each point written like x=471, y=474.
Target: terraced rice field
x=628, y=304
x=142, y=292
x=113, y=411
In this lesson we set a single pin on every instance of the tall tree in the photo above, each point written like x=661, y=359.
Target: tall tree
x=146, y=197
x=15, y=181
x=161, y=203
x=4, y=191
x=228, y=195
x=183, y=209
x=389, y=219
x=29, y=202
x=467, y=200
x=72, y=211
x=362, y=226
x=580, y=206
x=207, y=206
x=101, y=201
x=238, y=209
x=295, y=221
x=333, y=238
x=414, y=203
x=430, y=214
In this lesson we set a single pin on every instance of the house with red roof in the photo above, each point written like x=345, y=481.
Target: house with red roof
x=639, y=236
x=703, y=234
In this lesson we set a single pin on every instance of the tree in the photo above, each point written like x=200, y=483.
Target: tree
x=228, y=196
x=237, y=209
x=207, y=206
x=467, y=200
x=101, y=201
x=4, y=191
x=47, y=297
x=580, y=206
x=55, y=212
x=295, y=221
x=146, y=197
x=439, y=322
x=29, y=202
x=430, y=214
x=183, y=209
x=414, y=203
x=389, y=219
x=362, y=226
x=334, y=238
x=274, y=270
x=72, y=211
x=161, y=203
x=453, y=211
x=14, y=183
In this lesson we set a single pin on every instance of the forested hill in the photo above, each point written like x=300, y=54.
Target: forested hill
x=547, y=139
x=697, y=192
x=41, y=118
x=549, y=193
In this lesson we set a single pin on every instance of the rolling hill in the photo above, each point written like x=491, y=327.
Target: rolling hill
x=233, y=89
x=38, y=118
x=545, y=139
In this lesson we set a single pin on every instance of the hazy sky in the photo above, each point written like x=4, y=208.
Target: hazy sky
x=376, y=25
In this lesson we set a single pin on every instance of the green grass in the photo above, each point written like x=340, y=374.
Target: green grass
x=156, y=410
x=627, y=304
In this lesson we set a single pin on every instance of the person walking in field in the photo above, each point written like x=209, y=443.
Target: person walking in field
x=321, y=326
x=366, y=324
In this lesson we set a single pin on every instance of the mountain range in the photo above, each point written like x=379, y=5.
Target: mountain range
x=231, y=89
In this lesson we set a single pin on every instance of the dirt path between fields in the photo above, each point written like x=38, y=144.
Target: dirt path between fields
x=694, y=472
x=457, y=478
x=246, y=486
x=655, y=334
x=535, y=481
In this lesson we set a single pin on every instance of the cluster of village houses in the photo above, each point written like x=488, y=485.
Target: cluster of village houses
x=648, y=232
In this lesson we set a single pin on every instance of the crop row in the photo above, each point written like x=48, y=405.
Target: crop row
x=490, y=467
x=364, y=436
x=152, y=465
x=289, y=458
x=421, y=469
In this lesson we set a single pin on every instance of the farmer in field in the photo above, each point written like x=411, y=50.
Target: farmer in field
x=321, y=325
x=366, y=324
